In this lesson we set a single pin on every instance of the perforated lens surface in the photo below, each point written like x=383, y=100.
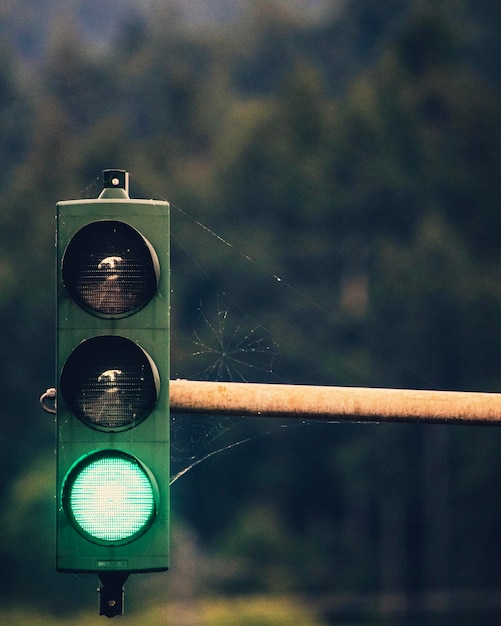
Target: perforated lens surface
x=110, y=269
x=112, y=499
x=110, y=382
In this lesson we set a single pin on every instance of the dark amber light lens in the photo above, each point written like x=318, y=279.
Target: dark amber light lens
x=110, y=383
x=110, y=269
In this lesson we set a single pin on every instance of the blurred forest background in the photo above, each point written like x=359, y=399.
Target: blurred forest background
x=352, y=150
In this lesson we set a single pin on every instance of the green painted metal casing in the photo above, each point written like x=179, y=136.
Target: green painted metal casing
x=149, y=441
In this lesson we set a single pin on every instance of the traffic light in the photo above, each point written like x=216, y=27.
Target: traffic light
x=113, y=383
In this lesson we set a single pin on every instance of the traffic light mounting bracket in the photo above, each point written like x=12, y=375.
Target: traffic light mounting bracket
x=111, y=593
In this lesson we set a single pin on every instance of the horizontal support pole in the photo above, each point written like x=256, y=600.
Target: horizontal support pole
x=356, y=404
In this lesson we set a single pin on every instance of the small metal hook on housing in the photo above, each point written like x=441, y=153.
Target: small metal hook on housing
x=50, y=394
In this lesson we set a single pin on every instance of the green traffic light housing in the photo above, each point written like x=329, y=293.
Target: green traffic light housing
x=112, y=373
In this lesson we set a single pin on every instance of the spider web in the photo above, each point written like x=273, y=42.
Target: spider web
x=225, y=345
x=230, y=347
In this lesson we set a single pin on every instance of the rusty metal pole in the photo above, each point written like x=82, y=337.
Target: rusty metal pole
x=356, y=404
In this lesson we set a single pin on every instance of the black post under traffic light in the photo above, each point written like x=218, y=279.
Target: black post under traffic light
x=112, y=375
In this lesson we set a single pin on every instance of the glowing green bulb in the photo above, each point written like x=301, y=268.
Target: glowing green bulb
x=112, y=498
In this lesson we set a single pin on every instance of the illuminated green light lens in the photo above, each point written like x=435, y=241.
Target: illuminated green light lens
x=111, y=498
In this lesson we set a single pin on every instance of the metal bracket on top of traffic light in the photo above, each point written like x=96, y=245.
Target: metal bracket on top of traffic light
x=112, y=375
